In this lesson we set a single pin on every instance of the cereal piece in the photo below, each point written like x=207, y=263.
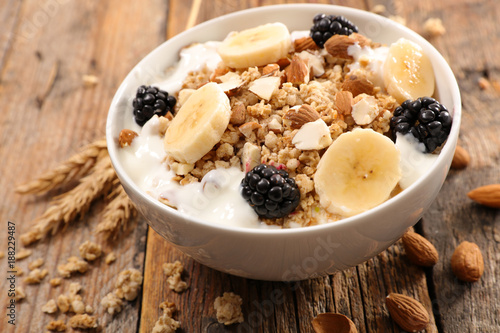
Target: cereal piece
x=228, y=309
x=74, y=288
x=90, y=251
x=77, y=306
x=24, y=253
x=261, y=110
x=112, y=303
x=378, y=9
x=55, y=282
x=35, y=264
x=90, y=80
x=83, y=321
x=173, y=272
x=50, y=307
x=2, y=254
x=483, y=83
x=72, y=266
x=166, y=324
x=89, y=309
x=128, y=283
x=224, y=151
x=63, y=303
x=19, y=294
x=36, y=276
x=304, y=183
x=57, y=325
x=434, y=27
x=110, y=258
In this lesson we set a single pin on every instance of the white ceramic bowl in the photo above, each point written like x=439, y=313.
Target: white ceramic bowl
x=289, y=254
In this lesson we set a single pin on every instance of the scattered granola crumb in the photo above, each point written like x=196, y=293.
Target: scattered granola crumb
x=128, y=283
x=110, y=258
x=20, y=294
x=378, y=9
x=166, y=324
x=90, y=251
x=89, y=309
x=36, y=276
x=36, y=264
x=83, y=321
x=434, y=27
x=77, y=306
x=73, y=265
x=2, y=254
x=19, y=271
x=63, y=303
x=398, y=19
x=24, y=253
x=55, y=282
x=112, y=303
x=173, y=272
x=90, y=80
x=57, y=325
x=74, y=288
x=228, y=309
x=483, y=83
x=50, y=307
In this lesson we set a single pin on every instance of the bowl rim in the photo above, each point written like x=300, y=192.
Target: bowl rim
x=436, y=57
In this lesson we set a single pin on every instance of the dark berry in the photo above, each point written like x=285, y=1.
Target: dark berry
x=426, y=119
x=149, y=101
x=270, y=192
x=325, y=26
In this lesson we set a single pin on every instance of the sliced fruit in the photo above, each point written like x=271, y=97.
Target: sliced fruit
x=357, y=172
x=258, y=46
x=198, y=125
x=408, y=72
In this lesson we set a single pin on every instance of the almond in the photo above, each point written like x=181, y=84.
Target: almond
x=302, y=115
x=362, y=40
x=488, y=195
x=337, y=46
x=304, y=43
x=247, y=128
x=467, y=262
x=333, y=322
x=126, y=137
x=357, y=85
x=218, y=72
x=407, y=312
x=270, y=69
x=283, y=62
x=343, y=102
x=297, y=72
x=238, y=114
x=461, y=158
x=419, y=250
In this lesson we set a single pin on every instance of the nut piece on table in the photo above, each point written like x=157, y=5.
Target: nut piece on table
x=407, y=312
x=461, y=158
x=467, y=262
x=419, y=250
x=333, y=322
x=488, y=195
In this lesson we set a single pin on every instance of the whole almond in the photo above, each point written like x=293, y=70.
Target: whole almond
x=333, y=322
x=337, y=46
x=343, y=102
x=304, y=43
x=302, y=115
x=407, y=312
x=488, y=195
x=357, y=85
x=467, y=262
x=461, y=158
x=419, y=250
x=297, y=72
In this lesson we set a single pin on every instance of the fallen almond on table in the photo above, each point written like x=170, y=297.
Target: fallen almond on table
x=467, y=262
x=333, y=322
x=419, y=250
x=461, y=158
x=488, y=195
x=407, y=312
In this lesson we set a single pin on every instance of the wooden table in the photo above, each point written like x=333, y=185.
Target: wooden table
x=44, y=122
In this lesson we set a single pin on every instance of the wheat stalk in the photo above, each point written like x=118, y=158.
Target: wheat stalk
x=75, y=202
x=116, y=215
x=77, y=165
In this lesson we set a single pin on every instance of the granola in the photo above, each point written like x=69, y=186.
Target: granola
x=228, y=307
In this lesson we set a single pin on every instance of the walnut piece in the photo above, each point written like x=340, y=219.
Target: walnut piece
x=90, y=251
x=126, y=137
x=228, y=309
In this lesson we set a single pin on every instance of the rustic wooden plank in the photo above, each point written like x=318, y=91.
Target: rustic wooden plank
x=104, y=38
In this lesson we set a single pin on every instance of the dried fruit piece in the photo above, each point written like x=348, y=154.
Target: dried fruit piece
x=407, y=312
x=461, y=158
x=333, y=322
x=467, y=262
x=419, y=250
x=488, y=195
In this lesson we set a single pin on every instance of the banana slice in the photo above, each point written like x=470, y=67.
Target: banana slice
x=408, y=72
x=357, y=172
x=198, y=125
x=258, y=46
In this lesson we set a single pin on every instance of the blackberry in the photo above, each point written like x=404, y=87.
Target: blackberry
x=149, y=101
x=428, y=120
x=270, y=192
x=325, y=26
